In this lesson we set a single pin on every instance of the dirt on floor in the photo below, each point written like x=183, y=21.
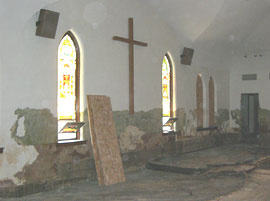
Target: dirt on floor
x=245, y=177
x=256, y=188
x=144, y=185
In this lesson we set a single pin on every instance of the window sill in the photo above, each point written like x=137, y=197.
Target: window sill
x=71, y=142
x=210, y=128
x=170, y=133
x=1, y=150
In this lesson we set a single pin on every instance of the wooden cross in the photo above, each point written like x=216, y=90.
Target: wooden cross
x=131, y=43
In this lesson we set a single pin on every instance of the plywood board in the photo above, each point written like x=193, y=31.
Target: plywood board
x=105, y=145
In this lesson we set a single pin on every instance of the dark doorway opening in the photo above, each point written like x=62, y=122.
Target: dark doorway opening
x=249, y=114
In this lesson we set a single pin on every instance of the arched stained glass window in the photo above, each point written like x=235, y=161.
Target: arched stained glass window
x=166, y=87
x=68, y=84
x=167, y=94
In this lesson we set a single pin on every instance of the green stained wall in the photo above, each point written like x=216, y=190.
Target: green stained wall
x=39, y=126
x=186, y=122
x=140, y=139
x=235, y=115
x=148, y=122
x=222, y=119
x=264, y=120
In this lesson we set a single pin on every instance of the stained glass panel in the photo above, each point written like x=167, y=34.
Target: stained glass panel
x=66, y=79
x=166, y=88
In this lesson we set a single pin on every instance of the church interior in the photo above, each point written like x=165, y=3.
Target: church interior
x=135, y=100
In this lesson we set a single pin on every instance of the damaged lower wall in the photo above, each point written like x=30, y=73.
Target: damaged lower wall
x=235, y=120
x=139, y=136
x=263, y=120
x=140, y=140
x=187, y=122
x=223, y=120
x=264, y=128
x=59, y=162
x=38, y=126
x=38, y=161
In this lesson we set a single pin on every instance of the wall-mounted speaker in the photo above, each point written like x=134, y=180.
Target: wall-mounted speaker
x=186, y=57
x=47, y=23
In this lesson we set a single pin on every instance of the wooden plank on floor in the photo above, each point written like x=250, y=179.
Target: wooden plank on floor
x=262, y=171
x=105, y=145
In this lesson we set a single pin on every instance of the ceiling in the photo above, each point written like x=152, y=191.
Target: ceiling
x=228, y=25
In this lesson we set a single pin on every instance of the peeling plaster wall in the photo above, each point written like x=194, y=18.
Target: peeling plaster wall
x=31, y=75
x=186, y=122
x=223, y=120
x=235, y=119
x=37, y=127
x=136, y=132
x=14, y=160
x=56, y=162
x=185, y=84
x=28, y=72
x=264, y=120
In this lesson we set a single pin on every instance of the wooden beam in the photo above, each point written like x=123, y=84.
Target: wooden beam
x=131, y=44
x=131, y=66
x=125, y=40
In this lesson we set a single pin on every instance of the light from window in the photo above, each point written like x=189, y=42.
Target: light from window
x=66, y=79
x=166, y=105
x=66, y=98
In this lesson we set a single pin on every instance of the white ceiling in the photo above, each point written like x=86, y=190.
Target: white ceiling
x=242, y=25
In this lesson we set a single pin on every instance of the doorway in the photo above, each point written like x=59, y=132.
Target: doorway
x=249, y=114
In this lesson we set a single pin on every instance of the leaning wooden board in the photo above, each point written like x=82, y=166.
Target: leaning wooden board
x=105, y=145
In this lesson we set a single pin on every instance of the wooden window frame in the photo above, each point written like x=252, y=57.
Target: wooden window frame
x=199, y=121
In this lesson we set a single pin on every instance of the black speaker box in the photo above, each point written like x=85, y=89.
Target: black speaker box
x=186, y=57
x=47, y=23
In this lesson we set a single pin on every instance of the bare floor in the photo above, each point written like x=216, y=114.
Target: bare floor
x=256, y=188
x=149, y=185
x=144, y=185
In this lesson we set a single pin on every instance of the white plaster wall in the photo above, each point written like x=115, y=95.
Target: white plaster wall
x=186, y=77
x=250, y=65
x=29, y=63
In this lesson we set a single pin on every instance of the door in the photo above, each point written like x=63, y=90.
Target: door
x=249, y=114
